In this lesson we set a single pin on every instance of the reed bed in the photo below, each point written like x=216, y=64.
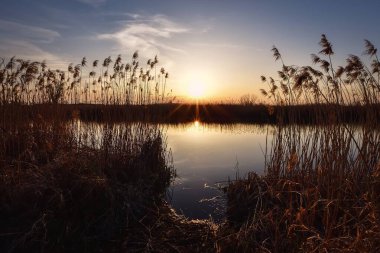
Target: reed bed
x=75, y=174
x=69, y=187
x=320, y=192
x=354, y=83
x=114, y=82
x=208, y=113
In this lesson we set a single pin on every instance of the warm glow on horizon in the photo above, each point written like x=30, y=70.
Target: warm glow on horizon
x=211, y=52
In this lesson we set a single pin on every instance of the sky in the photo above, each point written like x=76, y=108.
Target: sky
x=220, y=46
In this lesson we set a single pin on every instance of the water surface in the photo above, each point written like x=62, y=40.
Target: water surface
x=206, y=156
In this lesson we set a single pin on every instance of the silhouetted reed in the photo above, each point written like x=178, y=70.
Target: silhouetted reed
x=71, y=185
x=320, y=192
x=352, y=84
x=68, y=186
x=27, y=82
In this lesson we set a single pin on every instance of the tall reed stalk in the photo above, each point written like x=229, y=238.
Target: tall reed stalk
x=26, y=82
x=320, y=192
x=352, y=84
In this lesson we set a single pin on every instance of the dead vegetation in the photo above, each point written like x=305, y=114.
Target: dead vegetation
x=320, y=189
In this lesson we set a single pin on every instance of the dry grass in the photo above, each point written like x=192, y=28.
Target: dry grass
x=321, y=189
x=166, y=231
x=354, y=83
x=114, y=82
x=319, y=194
x=70, y=186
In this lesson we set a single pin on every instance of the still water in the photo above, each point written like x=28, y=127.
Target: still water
x=206, y=156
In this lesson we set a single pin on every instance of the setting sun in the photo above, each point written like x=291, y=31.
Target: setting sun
x=196, y=89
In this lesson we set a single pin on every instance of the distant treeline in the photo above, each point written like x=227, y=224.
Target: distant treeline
x=208, y=113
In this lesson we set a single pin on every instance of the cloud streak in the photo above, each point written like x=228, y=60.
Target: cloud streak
x=28, y=32
x=148, y=35
x=29, y=51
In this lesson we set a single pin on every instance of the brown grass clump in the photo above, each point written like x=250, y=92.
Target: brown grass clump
x=321, y=186
x=166, y=231
x=69, y=187
x=319, y=194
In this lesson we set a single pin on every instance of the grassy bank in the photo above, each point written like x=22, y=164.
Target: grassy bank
x=65, y=190
x=320, y=192
x=69, y=184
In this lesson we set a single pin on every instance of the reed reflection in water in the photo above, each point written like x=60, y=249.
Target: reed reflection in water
x=206, y=156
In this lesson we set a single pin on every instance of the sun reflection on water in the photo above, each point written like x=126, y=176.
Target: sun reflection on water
x=195, y=127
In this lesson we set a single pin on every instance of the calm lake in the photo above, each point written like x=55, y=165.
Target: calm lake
x=206, y=156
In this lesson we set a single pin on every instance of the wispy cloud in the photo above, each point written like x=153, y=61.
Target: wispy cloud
x=25, y=41
x=149, y=35
x=29, y=51
x=28, y=32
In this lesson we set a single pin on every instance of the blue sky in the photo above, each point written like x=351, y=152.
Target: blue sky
x=223, y=46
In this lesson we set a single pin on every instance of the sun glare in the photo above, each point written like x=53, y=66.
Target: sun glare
x=195, y=128
x=196, y=89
